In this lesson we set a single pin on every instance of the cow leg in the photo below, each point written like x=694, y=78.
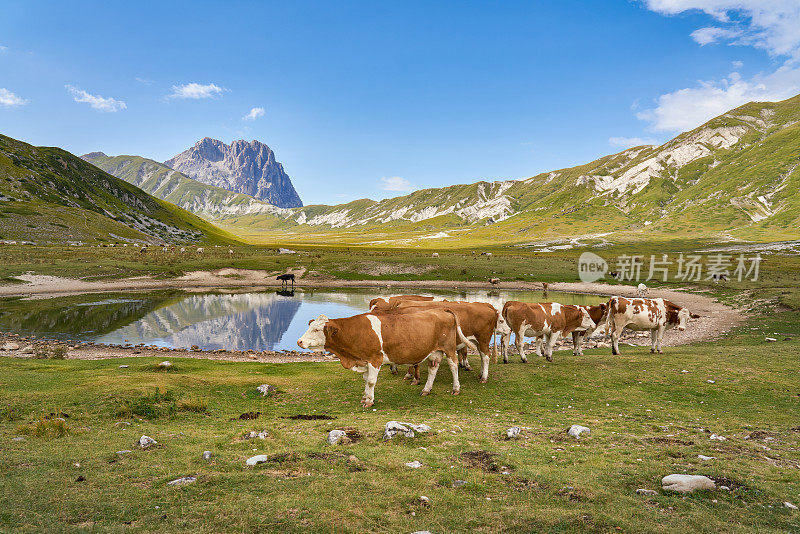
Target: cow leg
x=412, y=374
x=483, y=350
x=393, y=368
x=433, y=367
x=551, y=341
x=453, y=363
x=539, y=345
x=520, y=347
x=614, y=333
x=463, y=360
x=370, y=379
x=505, y=340
x=660, y=337
x=653, y=340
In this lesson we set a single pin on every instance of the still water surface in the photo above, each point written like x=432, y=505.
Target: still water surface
x=231, y=321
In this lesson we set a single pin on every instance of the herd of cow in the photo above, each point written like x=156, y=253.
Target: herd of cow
x=412, y=329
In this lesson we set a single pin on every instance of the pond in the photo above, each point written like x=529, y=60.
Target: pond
x=215, y=320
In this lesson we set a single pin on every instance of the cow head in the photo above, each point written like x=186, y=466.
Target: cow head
x=314, y=338
x=682, y=318
x=502, y=327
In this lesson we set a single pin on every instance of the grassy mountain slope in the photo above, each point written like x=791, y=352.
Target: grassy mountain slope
x=50, y=195
x=207, y=201
x=736, y=176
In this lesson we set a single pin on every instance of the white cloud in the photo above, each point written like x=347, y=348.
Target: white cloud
x=254, y=114
x=97, y=102
x=712, y=34
x=395, y=183
x=770, y=25
x=628, y=142
x=737, y=64
x=3, y=49
x=144, y=81
x=9, y=99
x=196, y=90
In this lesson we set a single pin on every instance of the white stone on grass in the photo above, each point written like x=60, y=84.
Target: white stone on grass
x=414, y=465
x=28, y=349
x=789, y=505
x=263, y=434
x=576, y=430
x=706, y=458
x=146, y=442
x=687, y=483
x=257, y=459
x=717, y=437
x=166, y=364
x=182, y=481
x=647, y=492
x=513, y=432
x=409, y=430
x=207, y=455
x=10, y=346
x=334, y=436
x=265, y=389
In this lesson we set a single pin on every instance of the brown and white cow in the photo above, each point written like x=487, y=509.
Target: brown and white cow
x=550, y=320
x=381, y=303
x=365, y=342
x=478, y=321
x=598, y=315
x=655, y=315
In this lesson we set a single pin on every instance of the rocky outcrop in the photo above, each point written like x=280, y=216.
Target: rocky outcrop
x=242, y=167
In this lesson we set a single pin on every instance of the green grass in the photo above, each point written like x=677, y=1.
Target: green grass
x=648, y=419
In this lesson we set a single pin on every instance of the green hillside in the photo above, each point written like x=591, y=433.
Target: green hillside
x=50, y=195
x=735, y=177
x=207, y=201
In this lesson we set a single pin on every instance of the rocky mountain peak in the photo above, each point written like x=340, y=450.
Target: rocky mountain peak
x=242, y=167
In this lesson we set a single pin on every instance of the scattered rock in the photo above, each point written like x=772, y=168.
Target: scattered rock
x=286, y=251
x=257, y=459
x=18, y=438
x=648, y=492
x=266, y=389
x=425, y=501
x=145, y=442
x=80, y=478
x=207, y=455
x=166, y=364
x=414, y=465
x=122, y=423
x=687, y=483
x=262, y=434
x=9, y=346
x=711, y=381
x=513, y=432
x=182, y=481
x=459, y=483
x=770, y=339
x=706, y=458
x=353, y=460
x=28, y=349
x=576, y=430
x=124, y=451
x=725, y=488
x=789, y=505
x=335, y=436
x=123, y=366
x=393, y=428
x=717, y=437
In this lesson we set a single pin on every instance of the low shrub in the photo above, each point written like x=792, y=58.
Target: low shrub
x=45, y=427
x=151, y=406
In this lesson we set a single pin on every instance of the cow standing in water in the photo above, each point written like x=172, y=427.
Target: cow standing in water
x=655, y=315
x=365, y=342
x=285, y=278
x=548, y=320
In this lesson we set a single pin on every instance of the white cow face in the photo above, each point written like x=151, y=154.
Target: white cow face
x=314, y=338
x=502, y=327
x=683, y=318
x=586, y=321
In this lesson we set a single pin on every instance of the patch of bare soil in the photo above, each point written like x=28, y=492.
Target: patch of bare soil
x=481, y=460
x=377, y=268
x=310, y=417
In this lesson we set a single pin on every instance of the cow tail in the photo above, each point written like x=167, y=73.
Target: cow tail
x=494, y=348
x=461, y=337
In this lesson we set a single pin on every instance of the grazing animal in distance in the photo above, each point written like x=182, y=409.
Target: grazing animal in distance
x=200, y=250
x=642, y=290
x=365, y=342
x=435, y=255
x=285, y=278
x=494, y=281
x=655, y=315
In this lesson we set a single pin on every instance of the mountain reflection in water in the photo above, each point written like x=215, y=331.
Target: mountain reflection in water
x=238, y=321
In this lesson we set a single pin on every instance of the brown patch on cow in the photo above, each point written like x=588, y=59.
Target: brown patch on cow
x=309, y=417
x=621, y=304
x=481, y=460
x=247, y=416
x=668, y=441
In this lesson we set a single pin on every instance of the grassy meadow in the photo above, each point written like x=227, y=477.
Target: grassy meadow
x=648, y=419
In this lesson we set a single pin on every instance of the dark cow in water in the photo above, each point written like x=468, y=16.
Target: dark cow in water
x=284, y=278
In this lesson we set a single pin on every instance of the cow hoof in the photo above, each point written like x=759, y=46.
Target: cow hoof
x=548, y=358
x=394, y=371
x=652, y=351
x=505, y=361
x=425, y=392
x=415, y=382
x=484, y=380
x=524, y=360
x=408, y=376
x=661, y=352
x=456, y=391
x=367, y=404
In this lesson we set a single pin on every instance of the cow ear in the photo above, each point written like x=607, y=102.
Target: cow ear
x=694, y=316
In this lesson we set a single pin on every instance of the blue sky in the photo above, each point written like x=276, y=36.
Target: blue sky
x=368, y=99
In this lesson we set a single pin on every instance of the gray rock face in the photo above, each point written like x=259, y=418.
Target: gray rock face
x=409, y=430
x=145, y=442
x=576, y=430
x=243, y=167
x=687, y=483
